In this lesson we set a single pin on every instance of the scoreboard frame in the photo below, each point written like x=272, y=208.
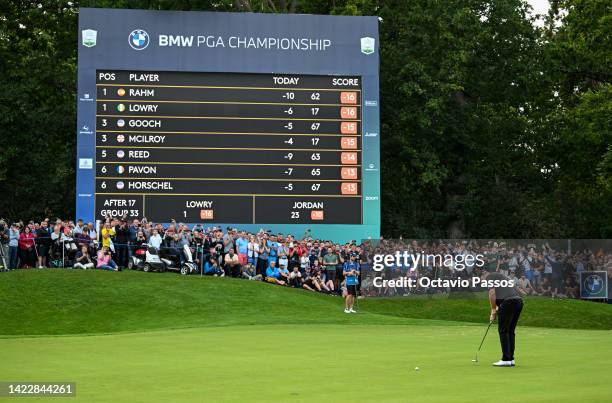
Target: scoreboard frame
x=282, y=45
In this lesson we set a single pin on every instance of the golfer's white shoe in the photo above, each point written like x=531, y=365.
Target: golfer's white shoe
x=347, y=311
x=513, y=364
x=352, y=310
x=501, y=363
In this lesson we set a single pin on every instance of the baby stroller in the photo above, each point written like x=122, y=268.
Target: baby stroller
x=70, y=250
x=56, y=254
x=63, y=252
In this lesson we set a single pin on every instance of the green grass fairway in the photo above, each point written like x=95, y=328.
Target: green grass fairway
x=232, y=340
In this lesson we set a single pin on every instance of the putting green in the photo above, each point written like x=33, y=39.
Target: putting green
x=142, y=337
x=317, y=362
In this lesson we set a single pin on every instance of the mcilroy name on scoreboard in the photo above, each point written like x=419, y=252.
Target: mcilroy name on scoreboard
x=249, y=120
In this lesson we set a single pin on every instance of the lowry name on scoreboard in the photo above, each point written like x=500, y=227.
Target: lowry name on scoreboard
x=260, y=121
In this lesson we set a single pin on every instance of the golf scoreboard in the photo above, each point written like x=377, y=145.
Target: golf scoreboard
x=230, y=119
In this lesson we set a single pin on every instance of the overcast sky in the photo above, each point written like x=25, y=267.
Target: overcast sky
x=539, y=6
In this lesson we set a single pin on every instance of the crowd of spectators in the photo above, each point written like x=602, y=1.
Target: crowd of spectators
x=537, y=267
x=307, y=263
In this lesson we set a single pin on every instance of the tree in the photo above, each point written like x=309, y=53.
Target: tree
x=490, y=126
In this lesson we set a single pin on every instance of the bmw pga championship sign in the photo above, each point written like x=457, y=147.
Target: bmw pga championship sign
x=593, y=285
x=254, y=120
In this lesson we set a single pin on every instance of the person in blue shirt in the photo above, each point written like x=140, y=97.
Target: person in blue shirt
x=351, y=275
x=13, y=246
x=211, y=268
x=284, y=274
x=273, y=245
x=273, y=274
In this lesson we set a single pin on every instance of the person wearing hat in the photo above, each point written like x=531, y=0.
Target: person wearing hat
x=351, y=274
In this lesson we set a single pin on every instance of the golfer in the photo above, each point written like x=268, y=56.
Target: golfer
x=507, y=304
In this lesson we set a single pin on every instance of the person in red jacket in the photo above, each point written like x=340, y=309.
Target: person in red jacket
x=26, y=248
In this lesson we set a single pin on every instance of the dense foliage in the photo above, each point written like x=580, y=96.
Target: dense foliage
x=491, y=126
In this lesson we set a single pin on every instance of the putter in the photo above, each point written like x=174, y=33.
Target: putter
x=483, y=339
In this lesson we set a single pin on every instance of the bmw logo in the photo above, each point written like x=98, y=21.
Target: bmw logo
x=593, y=283
x=138, y=39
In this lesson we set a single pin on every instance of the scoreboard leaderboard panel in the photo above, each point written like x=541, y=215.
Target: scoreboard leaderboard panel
x=288, y=141
x=282, y=139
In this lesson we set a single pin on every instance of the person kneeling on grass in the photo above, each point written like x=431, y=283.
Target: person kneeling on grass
x=231, y=263
x=284, y=274
x=295, y=278
x=249, y=273
x=104, y=260
x=83, y=259
x=273, y=274
x=321, y=282
x=211, y=268
x=311, y=283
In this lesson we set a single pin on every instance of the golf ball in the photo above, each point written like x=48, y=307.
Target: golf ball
x=416, y=368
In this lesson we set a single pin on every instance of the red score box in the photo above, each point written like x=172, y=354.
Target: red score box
x=348, y=127
x=348, y=173
x=348, y=97
x=316, y=215
x=348, y=188
x=348, y=158
x=348, y=143
x=348, y=112
x=207, y=214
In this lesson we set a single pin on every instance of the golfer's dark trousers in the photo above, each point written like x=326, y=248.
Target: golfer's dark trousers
x=507, y=318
